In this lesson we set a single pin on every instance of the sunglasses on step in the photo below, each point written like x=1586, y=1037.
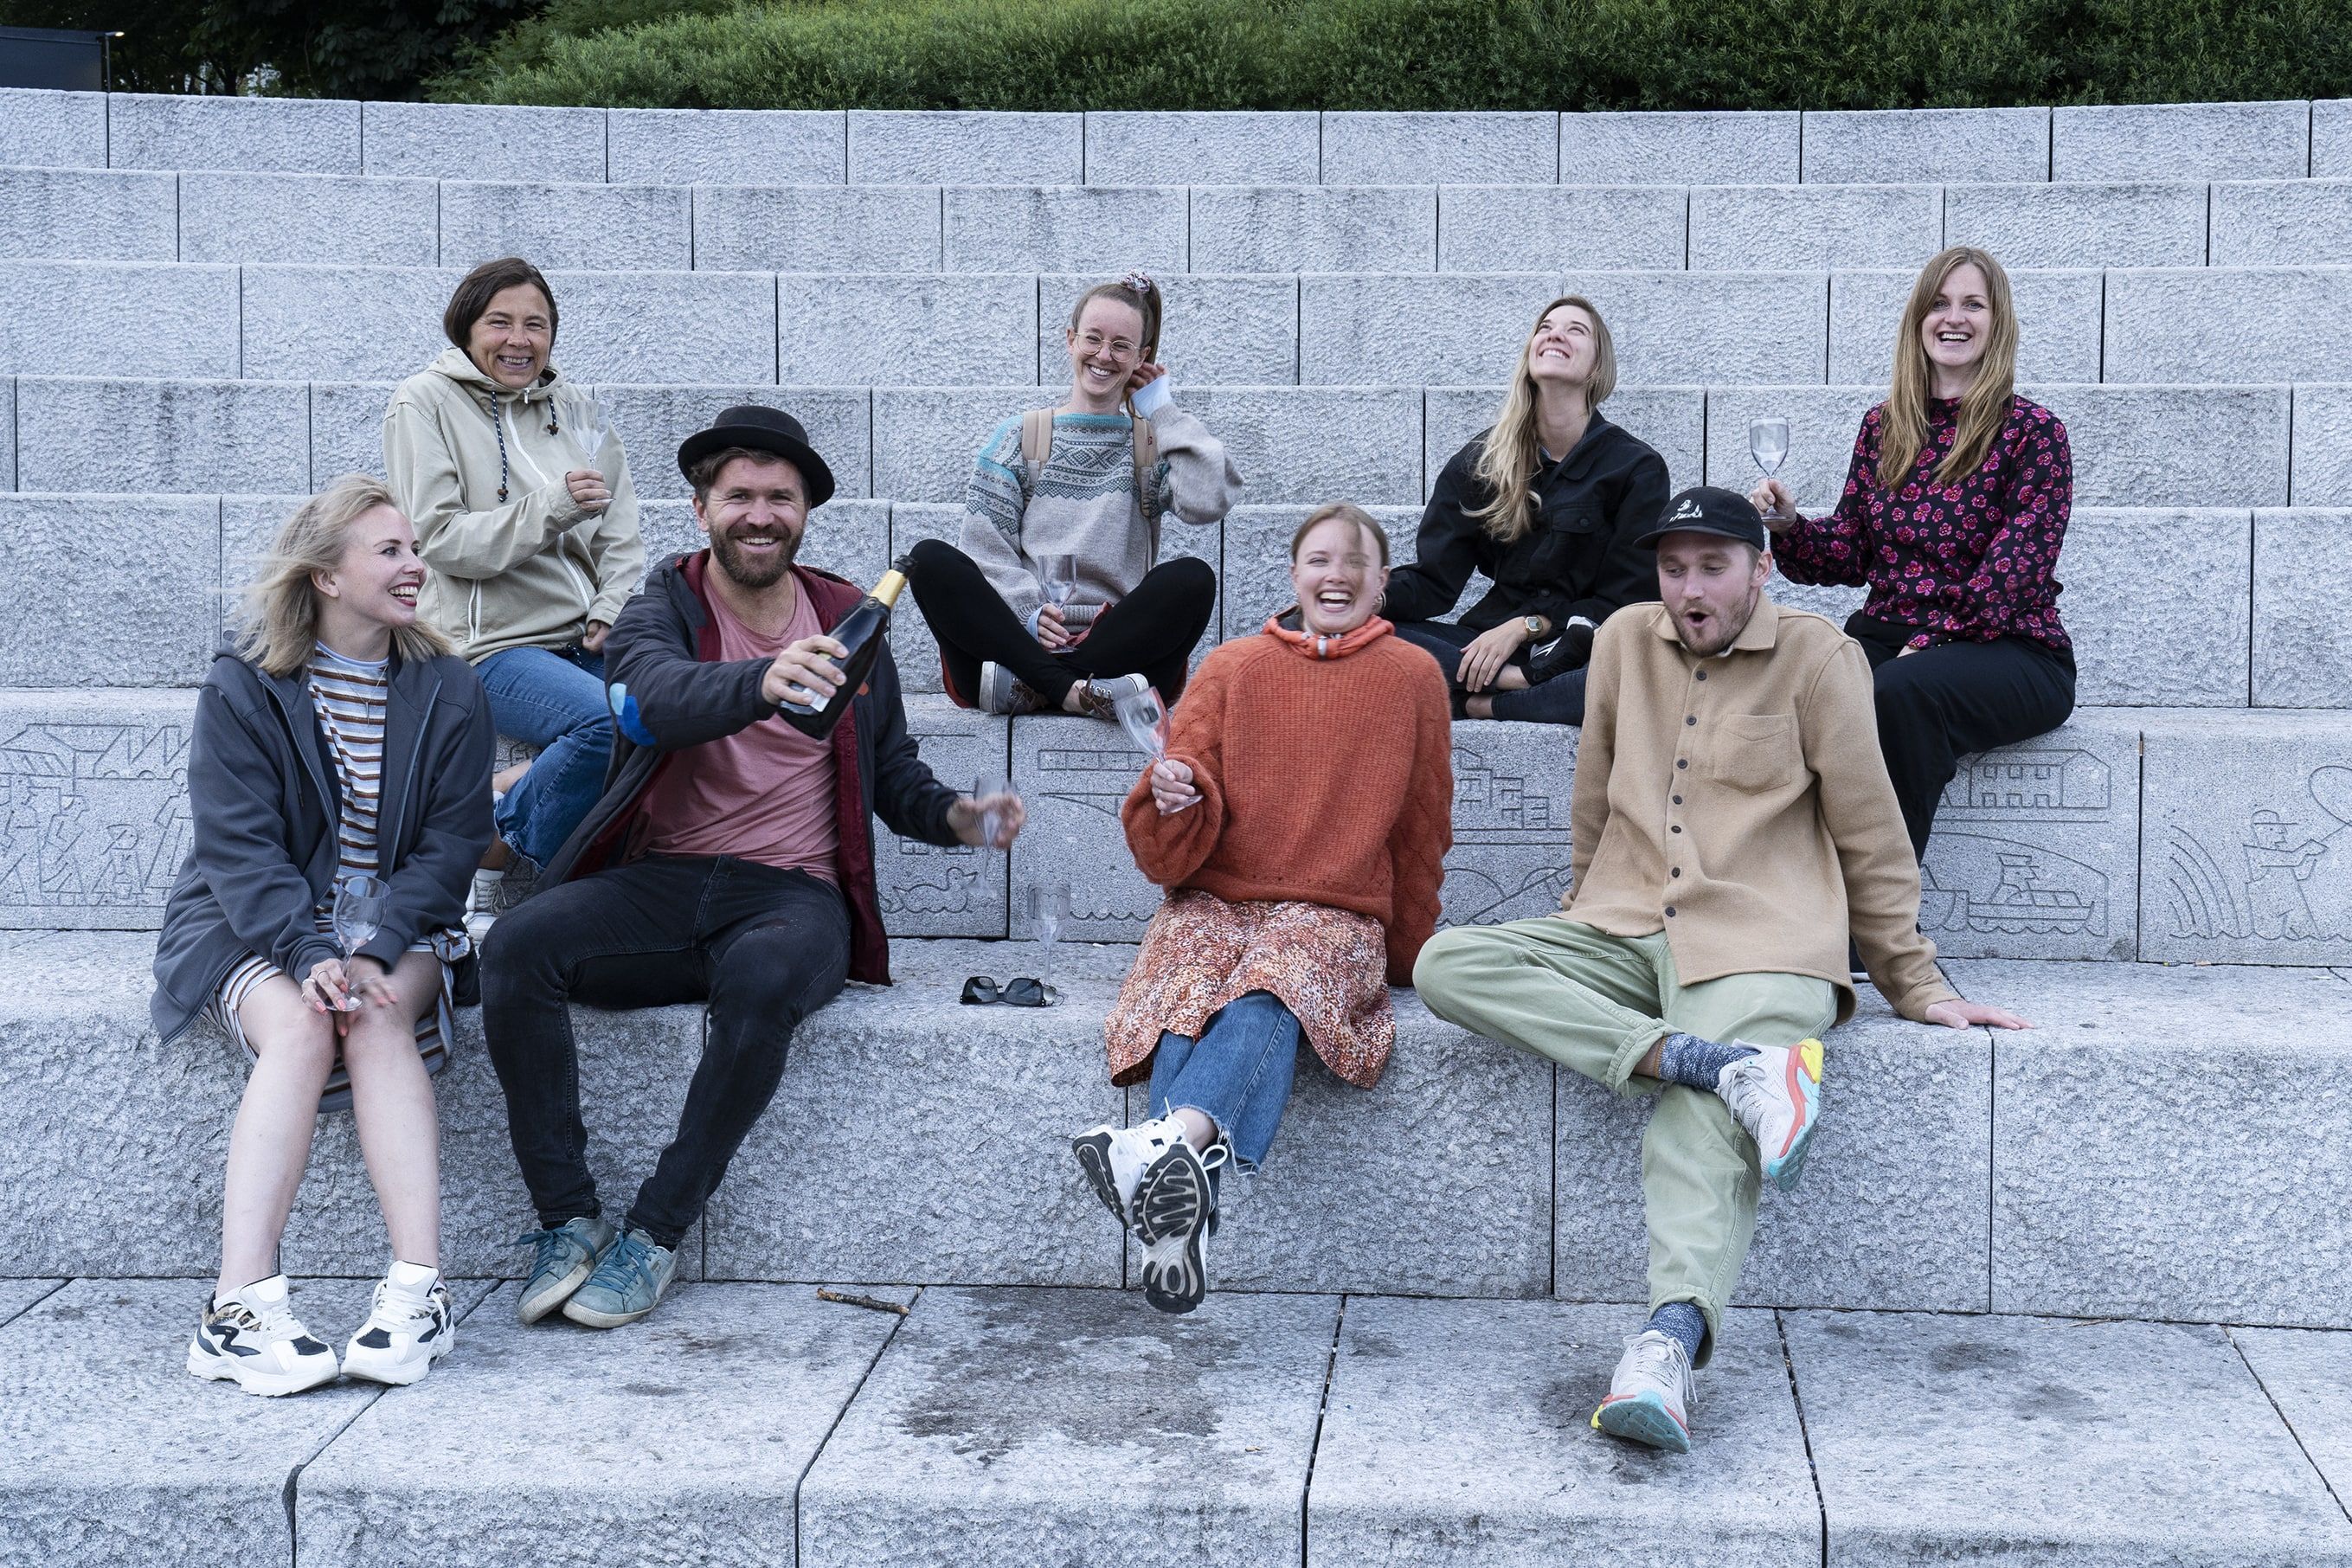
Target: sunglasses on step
x=979, y=990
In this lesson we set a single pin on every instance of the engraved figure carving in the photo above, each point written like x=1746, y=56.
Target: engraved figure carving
x=1510, y=854
x=92, y=816
x=2260, y=887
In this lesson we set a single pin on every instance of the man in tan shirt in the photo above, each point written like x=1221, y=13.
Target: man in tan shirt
x=1733, y=823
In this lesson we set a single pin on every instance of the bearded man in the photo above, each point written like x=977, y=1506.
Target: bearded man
x=1732, y=822
x=729, y=860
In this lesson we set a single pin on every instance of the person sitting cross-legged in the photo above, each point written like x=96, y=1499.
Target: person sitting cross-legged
x=729, y=860
x=1299, y=824
x=1730, y=817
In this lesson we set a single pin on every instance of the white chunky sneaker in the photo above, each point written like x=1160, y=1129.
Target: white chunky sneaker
x=1775, y=1097
x=1175, y=1209
x=255, y=1340
x=1115, y=1158
x=1649, y=1399
x=409, y=1327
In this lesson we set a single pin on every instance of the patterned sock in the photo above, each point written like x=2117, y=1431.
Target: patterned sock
x=1681, y=1320
x=1687, y=1059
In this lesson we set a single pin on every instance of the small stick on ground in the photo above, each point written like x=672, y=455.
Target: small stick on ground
x=850, y=1298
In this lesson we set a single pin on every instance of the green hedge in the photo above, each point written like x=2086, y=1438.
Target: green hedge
x=1409, y=54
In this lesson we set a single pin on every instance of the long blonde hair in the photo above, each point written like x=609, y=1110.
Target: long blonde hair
x=1508, y=456
x=279, y=615
x=1984, y=407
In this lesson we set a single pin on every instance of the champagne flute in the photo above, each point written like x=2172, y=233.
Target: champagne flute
x=1145, y=719
x=592, y=426
x=357, y=916
x=1059, y=576
x=984, y=788
x=1047, y=907
x=1768, y=442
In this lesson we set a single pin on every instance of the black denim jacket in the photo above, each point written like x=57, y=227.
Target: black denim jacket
x=1579, y=559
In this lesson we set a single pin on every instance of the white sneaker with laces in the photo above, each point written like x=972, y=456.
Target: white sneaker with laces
x=1775, y=1097
x=1115, y=1158
x=1650, y=1397
x=1000, y=693
x=1175, y=1217
x=410, y=1327
x=482, y=902
x=254, y=1340
x=1102, y=694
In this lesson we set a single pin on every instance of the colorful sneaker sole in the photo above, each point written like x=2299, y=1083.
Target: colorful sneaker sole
x=1172, y=1208
x=1643, y=1418
x=1803, y=1082
x=1092, y=1151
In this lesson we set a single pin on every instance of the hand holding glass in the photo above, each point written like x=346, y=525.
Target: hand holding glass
x=1145, y=719
x=358, y=915
x=988, y=788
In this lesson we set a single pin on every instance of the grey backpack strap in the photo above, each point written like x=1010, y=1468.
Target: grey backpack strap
x=1146, y=470
x=1036, y=446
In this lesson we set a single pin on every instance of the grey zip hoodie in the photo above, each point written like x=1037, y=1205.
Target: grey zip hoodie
x=532, y=570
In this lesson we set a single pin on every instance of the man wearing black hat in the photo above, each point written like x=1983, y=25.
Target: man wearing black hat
x=729, y=859
x=1732, y=821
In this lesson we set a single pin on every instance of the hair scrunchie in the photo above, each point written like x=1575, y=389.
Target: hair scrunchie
x=1140, y=281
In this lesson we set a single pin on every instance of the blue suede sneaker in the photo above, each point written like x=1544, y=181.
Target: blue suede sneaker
x=628, y=1281
x=563, y=1260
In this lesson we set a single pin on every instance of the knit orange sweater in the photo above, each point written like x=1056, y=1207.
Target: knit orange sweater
x=1324, y=779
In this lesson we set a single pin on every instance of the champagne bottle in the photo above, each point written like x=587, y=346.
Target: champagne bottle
x=861, y=632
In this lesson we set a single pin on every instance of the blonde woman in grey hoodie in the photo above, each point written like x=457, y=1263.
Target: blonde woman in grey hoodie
x=532, y=549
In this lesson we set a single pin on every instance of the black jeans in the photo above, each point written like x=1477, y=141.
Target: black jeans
x=1559, y=701
x=1943, y=702
x=1151, y=630
x=764, y=947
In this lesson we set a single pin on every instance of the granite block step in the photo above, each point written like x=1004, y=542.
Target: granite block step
x=756, y=1424
x=2145, y=1150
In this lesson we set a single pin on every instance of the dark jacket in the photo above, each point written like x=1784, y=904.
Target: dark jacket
x=262, y=791
x=669, y=691
x=1579, y=559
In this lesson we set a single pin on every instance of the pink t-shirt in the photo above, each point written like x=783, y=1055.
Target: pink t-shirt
x=763, y=794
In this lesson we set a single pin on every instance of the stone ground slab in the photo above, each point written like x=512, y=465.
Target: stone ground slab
x=2253, y=324
x=115, y=214
x=1230, y=331
x=968, y=147
x=2302, y=652
x=16, y=1295
x=2309, y=1376
x=118, y=1456
x=2158, y=1139
x=1374, y=329
x=2247, y=851
x=1510, y=854
x=1893, y=1210
x=1673, y=419
x=2196, y=654
x=817, y=229
x=725, y=146
x=1706, y=148
x=49, y=129
x=1438, y=1181
x=1368, y=148
x=347, y=430
x=2180, y=142
x=1822, y=423
x=2043, y=224
x=2038, y=1441
x=2282, y=223
x=64, y=628
x=610, y=228
x=863, y=328
x=1926, y=145
x=1167, y=148
x=1682, y=328
x=1400, y=1476
x=2036, y=852
x=1314, y=228
x=917, y=1139
x=1792, y=226
x=2173, y=445
x=196, y=437
x=1063, y=228
x=249, y=524
x=348, y=323
x=97, y=818
x=8, y=431
x=233, y=216
x=926, y=439
x=1316, y=444
x=74, y=318
x=670, y=327
x=531, y=1444
x=453, y=140
x=999, y=1422
x=1509, y=229
x=2331, y=137
x=2323, y=445
x=231, y=131
x=2057, y=317
x=653, y=421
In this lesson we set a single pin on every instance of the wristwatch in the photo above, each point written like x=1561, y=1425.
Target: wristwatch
x=1535, y=625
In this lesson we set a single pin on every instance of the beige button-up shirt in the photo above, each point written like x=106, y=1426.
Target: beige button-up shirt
x=1741, y=805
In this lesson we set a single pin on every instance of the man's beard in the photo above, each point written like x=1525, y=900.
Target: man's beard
x=1724, y=632
x=742, y=573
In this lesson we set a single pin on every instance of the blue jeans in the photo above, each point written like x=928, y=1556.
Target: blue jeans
x=554, y=701
x=1237, y=1074
x=1559, y=701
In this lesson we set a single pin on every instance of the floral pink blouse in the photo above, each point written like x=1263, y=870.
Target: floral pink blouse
x=1965, y=562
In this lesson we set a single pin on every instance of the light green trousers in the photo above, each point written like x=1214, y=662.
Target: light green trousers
x=1598, y=1003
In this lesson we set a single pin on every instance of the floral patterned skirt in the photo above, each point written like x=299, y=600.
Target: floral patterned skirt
x=1328, y=966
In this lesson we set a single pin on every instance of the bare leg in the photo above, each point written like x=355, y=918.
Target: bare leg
x=506, y=779
x=271, y=1143
x=392, y=1102
x=1199, y=1131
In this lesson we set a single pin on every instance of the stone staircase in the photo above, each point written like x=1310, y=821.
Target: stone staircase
x=1982, y=1329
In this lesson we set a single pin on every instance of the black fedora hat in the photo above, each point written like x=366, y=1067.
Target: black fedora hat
x=761, y=429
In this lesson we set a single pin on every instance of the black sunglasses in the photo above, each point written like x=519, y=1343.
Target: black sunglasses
x=979, y=990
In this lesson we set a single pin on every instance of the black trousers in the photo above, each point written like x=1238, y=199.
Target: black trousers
x=765, y=948
x=1559, y=701
x=1153, y=630
x=1943, y=702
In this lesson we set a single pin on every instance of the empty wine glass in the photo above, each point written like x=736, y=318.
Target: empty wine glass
x=1059, y=576
x=591, y=427
x=1768, y=442
x=1046, y=907
x=984, y=788
x=1145, y=719
x=357, y=916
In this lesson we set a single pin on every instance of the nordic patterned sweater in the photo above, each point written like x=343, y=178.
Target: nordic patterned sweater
x=1084, y=505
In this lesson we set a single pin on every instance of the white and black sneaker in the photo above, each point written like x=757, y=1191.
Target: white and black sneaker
x=410, y=1327
x=255, y=1340
x=1175, y=1213
x=1115, y=1158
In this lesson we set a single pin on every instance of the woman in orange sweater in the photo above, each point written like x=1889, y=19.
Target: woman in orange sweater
x=1298, y=823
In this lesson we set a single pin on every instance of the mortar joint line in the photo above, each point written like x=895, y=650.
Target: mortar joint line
x=889, y=1338
x=1322, y=1408
x=1804, y=1429
x=2284, y=1420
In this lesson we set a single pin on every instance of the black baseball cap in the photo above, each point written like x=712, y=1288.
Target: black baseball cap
x=1710, y=509
x=761, y=429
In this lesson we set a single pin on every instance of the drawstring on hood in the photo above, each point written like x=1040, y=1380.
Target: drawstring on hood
x=1288, y=628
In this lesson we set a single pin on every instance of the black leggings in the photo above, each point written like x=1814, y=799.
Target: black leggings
x=1559, y=701
x=1943, y=702
x=1153, y=630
